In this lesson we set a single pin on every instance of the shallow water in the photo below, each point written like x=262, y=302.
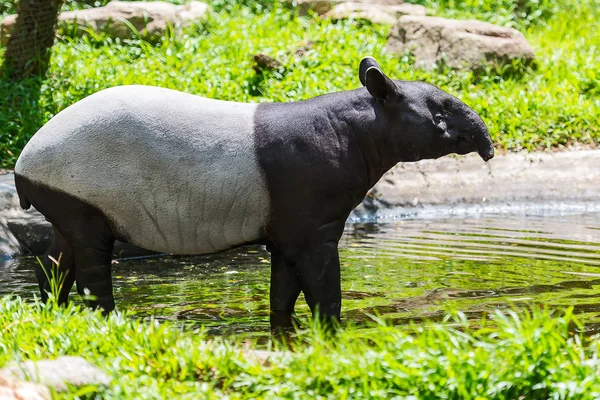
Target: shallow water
x=402, y=271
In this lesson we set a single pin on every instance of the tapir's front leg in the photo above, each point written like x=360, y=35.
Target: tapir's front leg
x=319, y=270
x=285, y=289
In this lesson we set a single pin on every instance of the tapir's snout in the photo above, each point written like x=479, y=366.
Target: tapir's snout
x=474, y=137
x=484, y=145
x=487, y=153
x=481, y=138
x=469, y=130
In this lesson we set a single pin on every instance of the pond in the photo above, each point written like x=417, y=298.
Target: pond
x=402, y=271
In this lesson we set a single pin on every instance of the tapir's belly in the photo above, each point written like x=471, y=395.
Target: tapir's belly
x=173, y=172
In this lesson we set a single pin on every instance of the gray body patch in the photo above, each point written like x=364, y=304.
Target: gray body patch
x=174, y=172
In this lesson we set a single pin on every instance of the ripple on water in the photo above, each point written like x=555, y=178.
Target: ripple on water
x=402, y=271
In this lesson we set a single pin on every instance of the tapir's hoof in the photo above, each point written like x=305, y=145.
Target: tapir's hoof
x=284, y=321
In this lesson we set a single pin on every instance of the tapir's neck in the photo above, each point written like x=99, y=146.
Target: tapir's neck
x=327, y=151
x=358, y=116
x=340, y=140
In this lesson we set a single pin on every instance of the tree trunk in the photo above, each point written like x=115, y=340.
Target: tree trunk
x=28, y=49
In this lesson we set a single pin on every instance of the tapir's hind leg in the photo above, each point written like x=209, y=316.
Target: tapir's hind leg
x=63, y=274
x=85, y=231
x=92, y=242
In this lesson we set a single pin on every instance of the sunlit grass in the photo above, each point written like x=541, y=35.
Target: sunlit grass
x=535, y=355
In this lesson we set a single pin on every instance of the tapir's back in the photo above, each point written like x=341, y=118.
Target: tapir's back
x=172, y=171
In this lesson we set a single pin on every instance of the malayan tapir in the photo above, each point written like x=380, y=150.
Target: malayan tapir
x=177, y=173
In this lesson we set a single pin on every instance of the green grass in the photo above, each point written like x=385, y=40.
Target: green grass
x=555, y=105
x=532, y=355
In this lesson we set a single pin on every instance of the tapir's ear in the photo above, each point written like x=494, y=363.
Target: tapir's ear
x=365, y=64
x=380, y=86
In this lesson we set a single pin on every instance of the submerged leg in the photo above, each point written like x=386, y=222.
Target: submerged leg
x=92, y=243
x=87, y=241
x=285, y=289
x=319, y=272
x=93, y=275
x=63, y=274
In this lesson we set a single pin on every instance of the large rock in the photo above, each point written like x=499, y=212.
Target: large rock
x=322, y=7
x=9, y=209
x=516, y=183
x=14, y=389
x=374, y=12
x=32, y=232
x=459, y=43
x=117, y=18
x=57, y=374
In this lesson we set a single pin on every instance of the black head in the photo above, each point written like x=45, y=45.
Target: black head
x=423, y=120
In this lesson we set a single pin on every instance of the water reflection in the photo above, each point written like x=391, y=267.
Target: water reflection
x=402, y=271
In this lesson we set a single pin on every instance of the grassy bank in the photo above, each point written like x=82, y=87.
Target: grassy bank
x=555, y=105
x=532, y=356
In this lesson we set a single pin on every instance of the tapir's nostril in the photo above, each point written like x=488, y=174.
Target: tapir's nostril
x=487, y=154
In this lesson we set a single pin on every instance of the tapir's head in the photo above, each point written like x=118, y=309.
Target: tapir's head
x=423, y=120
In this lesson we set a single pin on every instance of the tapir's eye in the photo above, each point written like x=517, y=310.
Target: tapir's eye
x=440, y=122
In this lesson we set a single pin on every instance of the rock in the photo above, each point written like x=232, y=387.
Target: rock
x=467, y=44
x=264, y=62
x=57, y=374
x=8, y=193
x=303, y=48
x=515, y=182
x=376, y=13
x=13, y=389
x=322, y=7
x=9, y=208
x=8, y=243
x=20, y=231
x=33, y=232
x=150, y=19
